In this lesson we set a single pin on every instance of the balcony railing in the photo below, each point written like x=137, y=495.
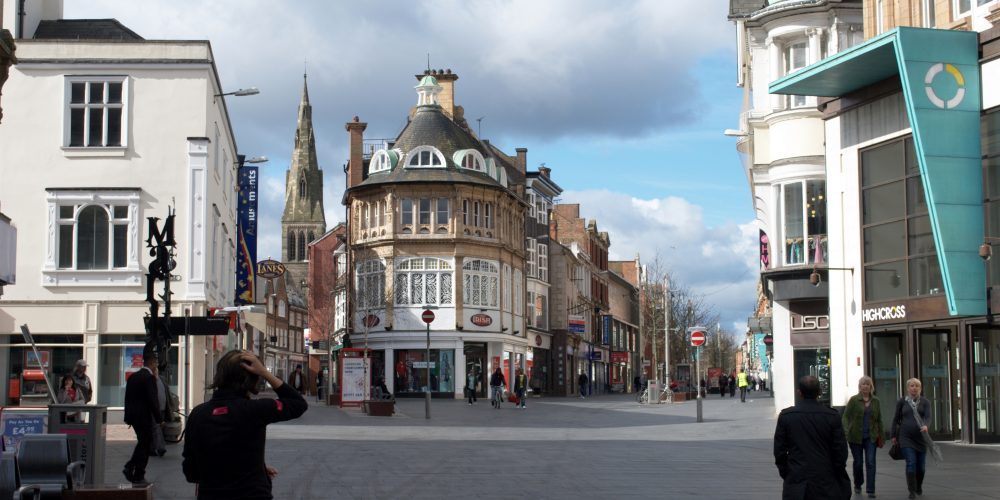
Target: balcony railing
x=371, y=146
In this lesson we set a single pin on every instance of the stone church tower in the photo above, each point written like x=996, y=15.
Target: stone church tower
x=303, y=220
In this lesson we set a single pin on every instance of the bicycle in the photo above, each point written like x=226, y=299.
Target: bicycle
x=497, y=396
x=666, y=396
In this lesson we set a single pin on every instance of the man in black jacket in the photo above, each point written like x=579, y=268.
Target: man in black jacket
x=142, y=413
x=225, y=436
x=810, y=449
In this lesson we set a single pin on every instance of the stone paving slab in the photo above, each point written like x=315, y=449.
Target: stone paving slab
x=601, y=447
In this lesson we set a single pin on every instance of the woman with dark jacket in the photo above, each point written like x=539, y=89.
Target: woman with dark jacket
x=863, y=426
x=909, y=427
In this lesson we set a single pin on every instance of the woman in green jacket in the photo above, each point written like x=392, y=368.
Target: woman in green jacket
x=863, y=427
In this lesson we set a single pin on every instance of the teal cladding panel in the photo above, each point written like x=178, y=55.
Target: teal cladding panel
x=939, y=71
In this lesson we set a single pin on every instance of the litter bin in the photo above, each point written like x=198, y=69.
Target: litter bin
x=87, y=428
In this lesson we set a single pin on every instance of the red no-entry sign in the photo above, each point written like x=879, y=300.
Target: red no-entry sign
x=697, y=338
x=427, y=316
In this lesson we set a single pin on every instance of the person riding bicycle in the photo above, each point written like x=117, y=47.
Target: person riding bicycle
x=497, y=382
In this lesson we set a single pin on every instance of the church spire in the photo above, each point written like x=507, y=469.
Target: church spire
x=304, y=219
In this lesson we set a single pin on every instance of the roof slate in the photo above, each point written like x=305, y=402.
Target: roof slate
x=431, y=127
x=743, y=8
x=84, y=29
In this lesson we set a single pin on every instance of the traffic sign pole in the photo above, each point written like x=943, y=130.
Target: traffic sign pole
x=697, y=340
x=428, y=317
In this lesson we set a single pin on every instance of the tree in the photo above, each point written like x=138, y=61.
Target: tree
x=658, y=286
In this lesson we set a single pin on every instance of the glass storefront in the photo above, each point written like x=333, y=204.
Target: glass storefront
x=538, y=370
x=120, y=356
x=935, y=377
x=887, y=363
x=985, y=354
x=58, y=353
x=475, y=362
x=411, y=371
x=815, y=362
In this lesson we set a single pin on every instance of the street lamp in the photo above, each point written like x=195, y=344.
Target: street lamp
x=241, y=92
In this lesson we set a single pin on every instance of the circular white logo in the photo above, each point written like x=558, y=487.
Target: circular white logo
x=959, y=80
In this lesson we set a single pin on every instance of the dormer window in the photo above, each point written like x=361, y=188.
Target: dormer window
x=425, y=157
x=470, y=159
x=383, y=161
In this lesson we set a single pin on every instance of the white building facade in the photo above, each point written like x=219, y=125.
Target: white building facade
x=781, y=142
x=104, y=135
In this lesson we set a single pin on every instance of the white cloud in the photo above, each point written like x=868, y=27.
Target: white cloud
x=717, y=262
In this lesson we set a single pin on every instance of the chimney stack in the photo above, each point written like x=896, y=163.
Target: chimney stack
x=356, y=129
x=522, y=160
x=545, y=171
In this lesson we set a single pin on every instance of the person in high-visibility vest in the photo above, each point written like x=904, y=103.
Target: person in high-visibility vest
x=743, y=383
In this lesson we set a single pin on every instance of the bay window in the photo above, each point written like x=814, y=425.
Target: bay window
x=803, y=221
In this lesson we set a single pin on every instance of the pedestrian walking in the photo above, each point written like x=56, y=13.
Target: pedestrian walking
x=142, y=413
x=520, y=387
x=226, y=435
x=863, y=426
x=470, y=384
x=636, y=384
x=82, y=381
x=497, y=383
x=319, y=385
x=743, y=383
x=732, y=384
x=298, y=380
x=810, y=450
x=583, y=384
x=723, y=385
x=909, y=429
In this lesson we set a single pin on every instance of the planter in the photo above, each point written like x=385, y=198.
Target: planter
x=379, y=408
x=333, y=400
x=680, y=397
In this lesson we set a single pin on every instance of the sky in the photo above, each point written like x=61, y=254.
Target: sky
x=626, y=102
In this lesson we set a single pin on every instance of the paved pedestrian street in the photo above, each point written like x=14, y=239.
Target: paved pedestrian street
x=603, y=447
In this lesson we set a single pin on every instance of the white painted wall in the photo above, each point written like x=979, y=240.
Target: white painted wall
x=169, y=101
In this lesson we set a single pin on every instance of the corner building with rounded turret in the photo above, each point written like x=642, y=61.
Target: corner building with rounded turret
x=436, y=221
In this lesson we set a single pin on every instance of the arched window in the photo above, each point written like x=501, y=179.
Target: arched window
x=312, y=237
x=425, y=157
x=470, y=159
x=423, y=280
x=302, y=246
x=370, y=285
x=480, y=283
x=302, y=188
x=92, y=238
x=291, y=246
x=383, y=161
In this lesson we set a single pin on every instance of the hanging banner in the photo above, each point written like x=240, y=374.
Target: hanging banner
x=246, y=261
x=765, y=251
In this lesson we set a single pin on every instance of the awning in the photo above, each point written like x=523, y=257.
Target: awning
x=939, y=72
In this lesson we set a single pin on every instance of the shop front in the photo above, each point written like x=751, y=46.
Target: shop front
x=956, y=361
x=810, y=339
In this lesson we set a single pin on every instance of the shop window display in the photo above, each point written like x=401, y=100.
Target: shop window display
x=410, y=371
x=58, y=354
x=121, y=356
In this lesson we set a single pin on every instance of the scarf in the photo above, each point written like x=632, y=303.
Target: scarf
x=931, y=445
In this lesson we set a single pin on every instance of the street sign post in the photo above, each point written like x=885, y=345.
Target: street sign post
x=698, y=338
x=428, y=317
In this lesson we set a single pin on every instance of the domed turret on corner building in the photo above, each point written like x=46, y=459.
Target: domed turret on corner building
x=435, y=221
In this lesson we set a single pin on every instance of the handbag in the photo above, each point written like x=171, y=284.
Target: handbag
x=895, y=452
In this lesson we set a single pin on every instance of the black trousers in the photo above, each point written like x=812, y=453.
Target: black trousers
x=140, y=455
